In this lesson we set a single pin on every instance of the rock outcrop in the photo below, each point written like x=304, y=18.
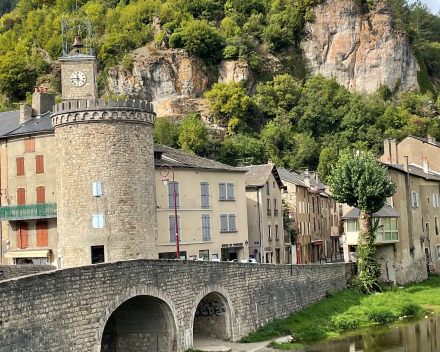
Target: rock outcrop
x=233, y=70
x=360, y=51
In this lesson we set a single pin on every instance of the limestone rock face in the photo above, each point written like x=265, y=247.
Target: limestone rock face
x=171, y=74
x=233, y=71
x=360, y=51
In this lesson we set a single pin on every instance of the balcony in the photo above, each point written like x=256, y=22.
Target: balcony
x=29, y=212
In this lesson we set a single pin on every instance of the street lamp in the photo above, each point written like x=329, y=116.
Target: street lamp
x=165, y=182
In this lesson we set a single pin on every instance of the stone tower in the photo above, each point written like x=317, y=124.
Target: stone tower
x=106, y=195
x=105, y=181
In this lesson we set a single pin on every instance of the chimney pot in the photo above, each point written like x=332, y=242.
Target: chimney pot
x=431, y=140
x=425, y=165
x=36, y=89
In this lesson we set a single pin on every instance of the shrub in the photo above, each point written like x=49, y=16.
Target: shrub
x=345, y=322
x=202, y=39
x=328, y=294
x=410, y=309
x=127, y=62
x=381, y=316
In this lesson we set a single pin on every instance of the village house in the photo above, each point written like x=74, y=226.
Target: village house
x=211, y=202
x=28, y=183
x=267, y=242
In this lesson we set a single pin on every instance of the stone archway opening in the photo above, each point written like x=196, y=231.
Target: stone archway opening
x=142, y=323
x=212, y=318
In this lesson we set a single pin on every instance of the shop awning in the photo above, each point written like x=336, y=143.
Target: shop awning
x=316, y=243
x=37, y=253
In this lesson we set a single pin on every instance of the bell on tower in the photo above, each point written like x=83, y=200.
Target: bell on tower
x=79, y=67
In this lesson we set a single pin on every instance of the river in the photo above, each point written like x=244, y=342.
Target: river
x=409, y=335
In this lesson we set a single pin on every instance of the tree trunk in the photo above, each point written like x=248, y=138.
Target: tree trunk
x=364, y=226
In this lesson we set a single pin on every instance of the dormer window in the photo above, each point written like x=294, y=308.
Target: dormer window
x=158, y=156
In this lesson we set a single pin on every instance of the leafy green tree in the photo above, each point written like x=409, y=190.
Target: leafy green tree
x=166, y=132
x=240, y=147
x=230, y=105
x=193, y=135
x=327, y=160
x=361, y=182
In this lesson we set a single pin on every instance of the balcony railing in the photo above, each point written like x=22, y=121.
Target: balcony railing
x=29, y=211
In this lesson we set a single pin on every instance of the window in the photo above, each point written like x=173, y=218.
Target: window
x=273, y=183
x=29, y=145
x=39, y=159
x=276, y=232
x=313, y=205
x=267, y=188
x=204, y=254
x=351, y=225
x=277, y=255
x=20, y=166
x=270, y=231
x=171, y=194
x=97, y=189
x=42, y=240
x=435, y=200
x=172, y=222
x=268, y=207
x=98, y=254
x=275, y=207
x=22, y=235
x=437, y=251
x=227, y=223
x=231, y=195
x=21, y=196
x=436, y=225
x=41, y=194
x=204, y=194
x=414, y=199
x=206, y=227
x=98, y=221
x=390, y=229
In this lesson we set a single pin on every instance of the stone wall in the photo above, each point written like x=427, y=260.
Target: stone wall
x=67, y=310
x=11, y=271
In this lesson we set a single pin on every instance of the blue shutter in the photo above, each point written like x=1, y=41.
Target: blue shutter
x=231, y=195
x=204, y=192
x=95, y=221
x=172, y=229
x=222, y=191
x=231, y=218
x=171, y=194
x=223, y=222
x=206, y=227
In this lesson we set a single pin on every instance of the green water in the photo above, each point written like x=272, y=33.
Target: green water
x=410, y=335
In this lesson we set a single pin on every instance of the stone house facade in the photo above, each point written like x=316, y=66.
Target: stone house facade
x=211, y=200
x=267, y=242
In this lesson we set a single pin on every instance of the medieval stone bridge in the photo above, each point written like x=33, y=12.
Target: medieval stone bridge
x=153, y=305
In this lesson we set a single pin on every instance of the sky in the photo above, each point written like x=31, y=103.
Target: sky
x=434, y=5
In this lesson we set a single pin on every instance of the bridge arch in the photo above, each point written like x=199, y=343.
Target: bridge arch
x=139, y=315
x=213, y=313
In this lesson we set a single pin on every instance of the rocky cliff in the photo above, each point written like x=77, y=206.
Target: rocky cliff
x=360, y=51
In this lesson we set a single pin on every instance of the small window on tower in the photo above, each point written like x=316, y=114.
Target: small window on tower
x=97, y=189
x=98, y=254
x=98, y=221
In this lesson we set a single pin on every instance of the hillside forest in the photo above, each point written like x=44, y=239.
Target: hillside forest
x=293, y=119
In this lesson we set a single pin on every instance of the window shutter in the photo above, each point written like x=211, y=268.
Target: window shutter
x=204, y=187
x=223, y=222
x=41, y=194
x=417, y=200
x=171, y=194
x=42, y=240
x=29, y=145
x=21, y=196
x=20, y=166
x=412, y=199
x=22, y=235
x=98, y=221
x=39, y=164
x=231, y=195
x=206, y=227
x=222, y=191
x=231, y=218
x=172, y=229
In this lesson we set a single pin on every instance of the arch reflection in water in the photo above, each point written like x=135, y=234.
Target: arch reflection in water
x=421, y=336
x=213, y=317
x=142, y=323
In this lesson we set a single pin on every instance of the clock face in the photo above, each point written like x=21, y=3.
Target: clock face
x=78, y=78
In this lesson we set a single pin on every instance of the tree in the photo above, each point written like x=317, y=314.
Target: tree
x=193, y=135
x=327, y=160
x=166, y=132
x=361, y=182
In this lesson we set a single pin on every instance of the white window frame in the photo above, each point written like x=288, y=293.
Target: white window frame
x=228, y=223
x=97, y=189
x=98, y=221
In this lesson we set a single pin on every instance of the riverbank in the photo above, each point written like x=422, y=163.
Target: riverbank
x=346, y=310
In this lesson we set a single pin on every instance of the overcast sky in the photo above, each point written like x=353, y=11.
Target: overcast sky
x=433, y=4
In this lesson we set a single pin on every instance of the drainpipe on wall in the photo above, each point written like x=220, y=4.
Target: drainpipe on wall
x=408, y=204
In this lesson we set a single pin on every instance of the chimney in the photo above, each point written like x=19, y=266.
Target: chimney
x=393, y=152
x=425, y=165
x=42, y=101
x=405, y=165
x=386, y=149
x=431, y=140
x=25, y=113
x=307, y=178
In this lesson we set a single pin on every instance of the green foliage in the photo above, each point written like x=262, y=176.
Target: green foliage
x=166, y=132
x=127, y=62
x=345, y=322
x=289, y=221
x=192, y=135
x=327, y=161
x=284, y=346
x=381, y=316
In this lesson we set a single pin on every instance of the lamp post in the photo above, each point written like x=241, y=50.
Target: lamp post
x=165, y=181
